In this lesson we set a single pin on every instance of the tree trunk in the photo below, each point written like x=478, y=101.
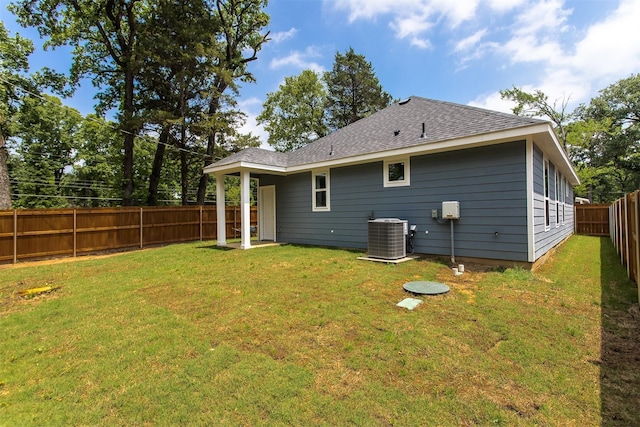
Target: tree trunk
x=154, y=178
x=214, y=106
x=184, y=178
x=204, y=179
x=130, y=131
x=184, y=167
x=5, y=188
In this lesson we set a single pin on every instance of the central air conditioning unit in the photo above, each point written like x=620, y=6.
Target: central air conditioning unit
x=387, y=238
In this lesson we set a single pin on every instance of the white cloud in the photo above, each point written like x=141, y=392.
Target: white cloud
x=410, y=19
x=300, y=60
x=412, y=27
x=606, y=52
x=494, y=102
x=283, y=35
x=545, y=40
x=610, y=48
x=502, y=6
x=545, y=16
x=252, y=108
x=471, y=41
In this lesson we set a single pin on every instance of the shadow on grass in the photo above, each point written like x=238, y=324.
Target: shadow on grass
x=620, y=352
x=217, y=248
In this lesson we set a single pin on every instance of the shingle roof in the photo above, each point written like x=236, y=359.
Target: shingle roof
x=258, y=156
x=395, y=127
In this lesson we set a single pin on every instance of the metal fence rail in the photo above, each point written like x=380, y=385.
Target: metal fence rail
x=28, y=234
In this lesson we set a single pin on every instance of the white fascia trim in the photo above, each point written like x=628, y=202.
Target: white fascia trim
x=239, y=166
x=554, y=151
x=430, y=147
x=544, y=137
x=531, y=236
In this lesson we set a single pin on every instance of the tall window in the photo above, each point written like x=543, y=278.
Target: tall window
x=396, y=172
x=563, y=194
x=320, y=186
x=557, y=197
x=547, y=213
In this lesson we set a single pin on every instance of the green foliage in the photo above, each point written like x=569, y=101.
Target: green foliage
x=606, y=140
x=353, y=89
x=537, y=104
x=163, y=66
x=95, y=178
x=14, y=54
x=294, y=115
x=602, y=138
x=305, y=107
x=46, y=132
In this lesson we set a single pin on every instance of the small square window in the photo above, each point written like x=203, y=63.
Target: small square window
x=396, y=172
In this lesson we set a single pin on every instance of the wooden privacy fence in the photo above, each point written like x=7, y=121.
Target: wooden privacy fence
x=624, y=219
x=26, y=234
x=592, y=220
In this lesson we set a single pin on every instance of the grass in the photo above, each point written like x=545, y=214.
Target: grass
x=192, y=334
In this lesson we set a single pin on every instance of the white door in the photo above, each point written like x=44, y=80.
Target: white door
x=267, y=213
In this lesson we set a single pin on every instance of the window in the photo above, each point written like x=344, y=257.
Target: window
x=396, y=172
x=547, y=213
x=320, y=186
x=563, y=186
x=557, y=197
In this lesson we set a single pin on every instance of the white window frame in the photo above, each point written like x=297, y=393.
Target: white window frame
x=545, y=193
x=563, y=186
x=407, y=172
x=315, y=190
x=556, y=176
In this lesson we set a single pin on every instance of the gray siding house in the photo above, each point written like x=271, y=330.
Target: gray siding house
x=510, y=175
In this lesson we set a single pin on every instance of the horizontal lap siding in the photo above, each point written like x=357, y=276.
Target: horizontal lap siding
x=546, y=239
x=489, y=183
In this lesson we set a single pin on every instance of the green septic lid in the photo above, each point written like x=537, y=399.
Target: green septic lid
x=429, y=288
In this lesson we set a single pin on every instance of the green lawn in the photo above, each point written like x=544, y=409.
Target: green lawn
x=191, y=334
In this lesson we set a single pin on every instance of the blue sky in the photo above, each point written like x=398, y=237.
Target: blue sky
x=461, y=51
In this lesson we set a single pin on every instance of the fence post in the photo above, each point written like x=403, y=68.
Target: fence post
x=75, y=228
x=141, y=228
x=201, y=220
x=15, y=236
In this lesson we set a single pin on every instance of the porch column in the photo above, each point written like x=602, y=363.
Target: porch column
x=245, y=210
x=221, y=218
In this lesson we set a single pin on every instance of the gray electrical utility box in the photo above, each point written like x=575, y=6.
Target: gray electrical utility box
x=450, y=210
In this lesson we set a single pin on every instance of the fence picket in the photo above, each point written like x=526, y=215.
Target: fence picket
x=28, y=234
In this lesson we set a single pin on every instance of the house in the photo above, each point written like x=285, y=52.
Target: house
x=511, y=177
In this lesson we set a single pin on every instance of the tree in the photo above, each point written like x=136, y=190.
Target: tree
x=105, y=35
x=46, y=130
x=95, y=179
x=537, y=104
x=614, y=135
x=14, y=53
x=294, y=115
x=354, y=91
x=237, y=36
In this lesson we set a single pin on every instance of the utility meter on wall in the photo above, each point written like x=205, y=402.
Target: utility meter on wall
x=450, y=210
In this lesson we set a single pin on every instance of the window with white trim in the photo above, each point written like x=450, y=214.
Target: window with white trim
x=557, y=196
x=396, y=172
x=547, y=213
x=563, y=192
x=320, y=191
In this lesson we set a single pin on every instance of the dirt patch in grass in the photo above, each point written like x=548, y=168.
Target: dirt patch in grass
x=620, y=366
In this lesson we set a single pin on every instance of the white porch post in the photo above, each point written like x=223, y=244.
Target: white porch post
x=221, y=219
x=245, y=212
